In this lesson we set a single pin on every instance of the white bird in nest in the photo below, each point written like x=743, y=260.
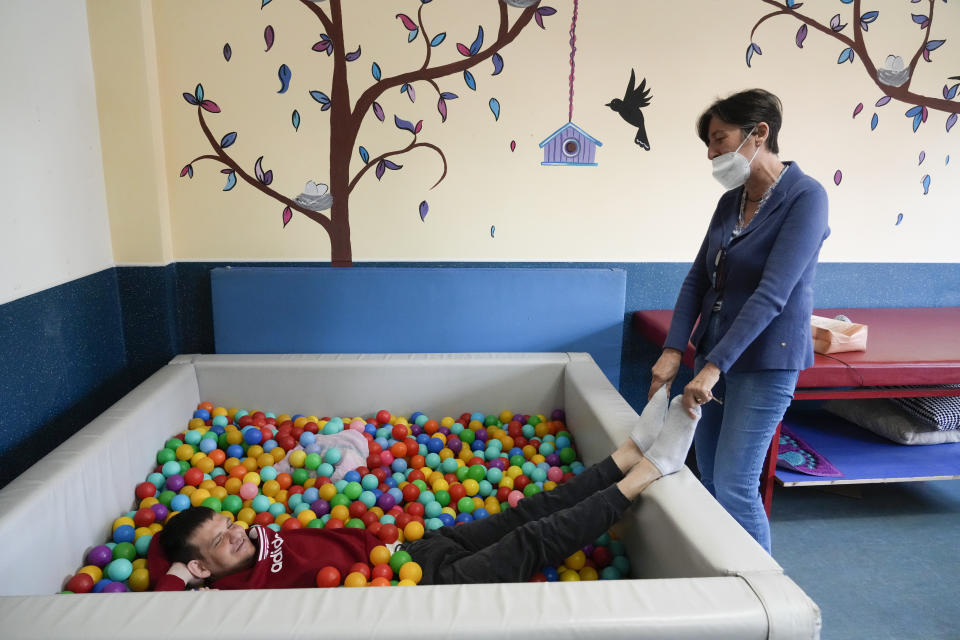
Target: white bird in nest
x=893, y=72
x=315, y=197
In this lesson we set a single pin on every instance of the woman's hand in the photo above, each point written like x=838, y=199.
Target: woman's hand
x=665, y=370
x=699, y=390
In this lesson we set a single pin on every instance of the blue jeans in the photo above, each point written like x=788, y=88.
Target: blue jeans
x=732, y=440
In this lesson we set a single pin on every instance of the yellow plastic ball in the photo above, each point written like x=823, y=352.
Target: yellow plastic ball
x=474, y=425
x=537, y=458
x=411, y=571
x=447, y=422
x=306, y=516
x=139, y=580
x=506, y=481
x=146, y=503
x=265, y=460
x=299, y=422
x=155, y=528
x=505, y=416
x=208, y=485
x=231, y=412
x=270, y=488
x=246, y=515
x=93, y=571
x=471, y=486
x=185, y=452
x=340, y=512
x=255, y=451
x=589, y=573
x=569, y=576
x=529, y=451
x=234, y=437
x=219, y=493
x=218, y=411
x=230, y=463
x=549, y=485
x=232, y=485
x=445, y=453
x=413, y=531
x=278, y=454
x=283, y=517
x=188, y=490
x=355, y=579
x=327, y=491
x=297, y=458
x=141, y=531
x=122, y=521
x=283, y=417
x=406, y=583
x=195, y=423
x=205, y=464
x=229, y=516
x=249, y=464
x=379, y=555
x=252, y=477
x=576, y=560
x=198, y=496
x=139, y=563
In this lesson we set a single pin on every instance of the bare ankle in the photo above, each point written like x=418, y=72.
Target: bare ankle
x=638, y=478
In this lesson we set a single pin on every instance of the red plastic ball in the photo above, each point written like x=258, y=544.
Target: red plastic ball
x=601, y=556
x=518, y=483
x=415, y=509
x=80, y=583
x=357, y=509
x=360, y=567
x=245, y=421
x=291, y=523
x=334, y=523
x=369, y=518
x=144, y=517
x=373, y=461
x=383, y=416
x=410, y=493
x=399, y=431
x=265, y=518
x=312, y=427
x=503, y=493
x=145, y=490
x=382, y=571
x=402, y=520
x=328, y=577
x=380, y=473
x=458, y=491
x=388, y=533
x=374, y=527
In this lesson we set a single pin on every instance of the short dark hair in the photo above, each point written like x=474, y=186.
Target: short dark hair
x=746, y=110
x=175, y=537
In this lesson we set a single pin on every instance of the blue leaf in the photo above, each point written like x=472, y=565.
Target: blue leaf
x=869, y=16
x=437, y=39
x=446, y=95
x=295, y=118
x=228, y=139
x=284, y=75
x=198, y=93
x=495, y=108
x=845, y=55
x=913, y=111
x=227, y=52
x=375, y=70
x=475, y=47
x=873, y=122
x=403, y=88
x=916, y=122
x=231, y=181
x=899, y=219
x=320, y=97
x=403, y=124
x=846, y=1
x=950, y=93
x=497, y=64
x=468, y=78
x=926, y=184
x=918, y=18
x=413, y=35
x=189, y=98
x=364, y=155
x=750, y=52
x=493, y=230
x=933, y=44
x=264, y=3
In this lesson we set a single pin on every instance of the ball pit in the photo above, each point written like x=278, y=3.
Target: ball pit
x=699, y=574
x=421, y=475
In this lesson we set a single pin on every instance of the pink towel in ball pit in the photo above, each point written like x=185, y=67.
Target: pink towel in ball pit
x=352, y=445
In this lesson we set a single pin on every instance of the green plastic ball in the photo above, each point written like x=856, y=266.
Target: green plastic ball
x=443, y=497
x=214, y=503
x=300, y=476
x=233, y=504
x=398, y=559
x=465, y=504
x=125, y=550
x=165, y=455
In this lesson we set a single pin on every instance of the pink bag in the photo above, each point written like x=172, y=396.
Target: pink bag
x=833, y=336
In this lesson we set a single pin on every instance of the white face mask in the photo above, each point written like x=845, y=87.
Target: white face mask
x=731, y=169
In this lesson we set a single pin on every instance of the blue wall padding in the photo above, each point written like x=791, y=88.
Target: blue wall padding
x=416, y=310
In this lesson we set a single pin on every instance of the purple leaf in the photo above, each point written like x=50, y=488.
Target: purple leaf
x=546, y=11
x=378, y=111
x=923, y=155
x=227, y=52
x=801, y=35
x=189, y=98
x=899, y=219
x=323, y=45
x=462, y=48
x=952, y=120
x=393, y=166
x=917, y=18
x=287, y=215
x=407, y=22
x=187, y=171
x=210, y=106
x=857, y=109
x=411, y=93
x=268, y=37
x=258, y=169
x=424, y=208
x=268, y=177
x=403, y=124
x=837, y=177
x=497, y=64
x=442, y=108
x=926, y=55
x=446, y=95
x=380, y=169
x=539, y=19
x=923, y=113
x=353, y=55
x=882, y=101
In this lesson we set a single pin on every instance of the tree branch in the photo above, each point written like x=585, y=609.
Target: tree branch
x=426, y=39
x=413, y=145
x=901, y=93
x=315, y=7
x=225, y=158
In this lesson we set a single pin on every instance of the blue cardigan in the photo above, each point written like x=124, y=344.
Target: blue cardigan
x=768, y=297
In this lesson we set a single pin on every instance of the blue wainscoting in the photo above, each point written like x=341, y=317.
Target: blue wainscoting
x=72, y=350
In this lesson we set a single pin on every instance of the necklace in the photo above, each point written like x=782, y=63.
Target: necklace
x=741, y=225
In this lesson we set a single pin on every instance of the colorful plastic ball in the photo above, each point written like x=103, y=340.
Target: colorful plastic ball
x=145, y=490
x=142, y=545
x=124, y=533
x=355, y=579
x=413, y=531
x=233, y=504
x=175, y=482
x=248, y=491
x=551, y=574
x=610, y=573
x=125, y=550
x=381, y=571
x=101, y=585
x=100, y=556
x=180, y=502
x=119, y=569
x=328, y=577
x=260, y=503
x=398, y=559
x=170, y=468
x=80, y=583
x=139, y=580
x=115, y=587
x=93, y=571
x=411, y=571
x=333, y=456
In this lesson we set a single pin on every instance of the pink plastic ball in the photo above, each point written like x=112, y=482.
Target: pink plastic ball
x=248, y=491
x=357, y=425
x=555, y=474
x=514, y=497
x=386, y=458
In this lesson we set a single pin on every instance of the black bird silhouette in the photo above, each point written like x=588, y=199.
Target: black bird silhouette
x=629, y=108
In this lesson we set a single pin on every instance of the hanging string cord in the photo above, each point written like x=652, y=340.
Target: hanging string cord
x=573, y=50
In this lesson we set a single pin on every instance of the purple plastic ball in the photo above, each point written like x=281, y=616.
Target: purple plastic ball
x=320, y=507
x=175, y=482
x=481, y=434
x=100, y=555
x=553, y=460
x=455, y=444
x=160, y=511
x=115, y=587
x=415, y=430
x=444, y=430
x=386, y=502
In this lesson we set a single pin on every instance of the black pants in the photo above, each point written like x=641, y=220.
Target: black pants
x=540, y=531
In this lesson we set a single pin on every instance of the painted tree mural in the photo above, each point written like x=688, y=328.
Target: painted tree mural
x=894, y=77
x=347, y=114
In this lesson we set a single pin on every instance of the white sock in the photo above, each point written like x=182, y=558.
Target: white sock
x=669, y=451
x=651, y=420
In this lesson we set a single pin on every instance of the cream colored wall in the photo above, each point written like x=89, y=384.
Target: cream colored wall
x=635, y=206
x=53, y=210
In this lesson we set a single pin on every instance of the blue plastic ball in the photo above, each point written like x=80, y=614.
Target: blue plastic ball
x=447, y=519
x=203, y=414
x=235, y=451
x=479, y=514
x=261, y=503
x=119, y=570
x=310, y=495
x=464, y=517
x=180, y=502
x=350, y=476
x=307, y=438
x=253, y=436
x=124, y=533
x=551, y=574
x=101, y=585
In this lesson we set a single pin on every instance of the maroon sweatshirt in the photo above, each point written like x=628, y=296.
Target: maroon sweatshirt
x=285, y=559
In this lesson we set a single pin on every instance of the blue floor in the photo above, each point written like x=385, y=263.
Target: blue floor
x=881, y=560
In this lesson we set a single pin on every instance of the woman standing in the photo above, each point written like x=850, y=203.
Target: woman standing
x=751, y=286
